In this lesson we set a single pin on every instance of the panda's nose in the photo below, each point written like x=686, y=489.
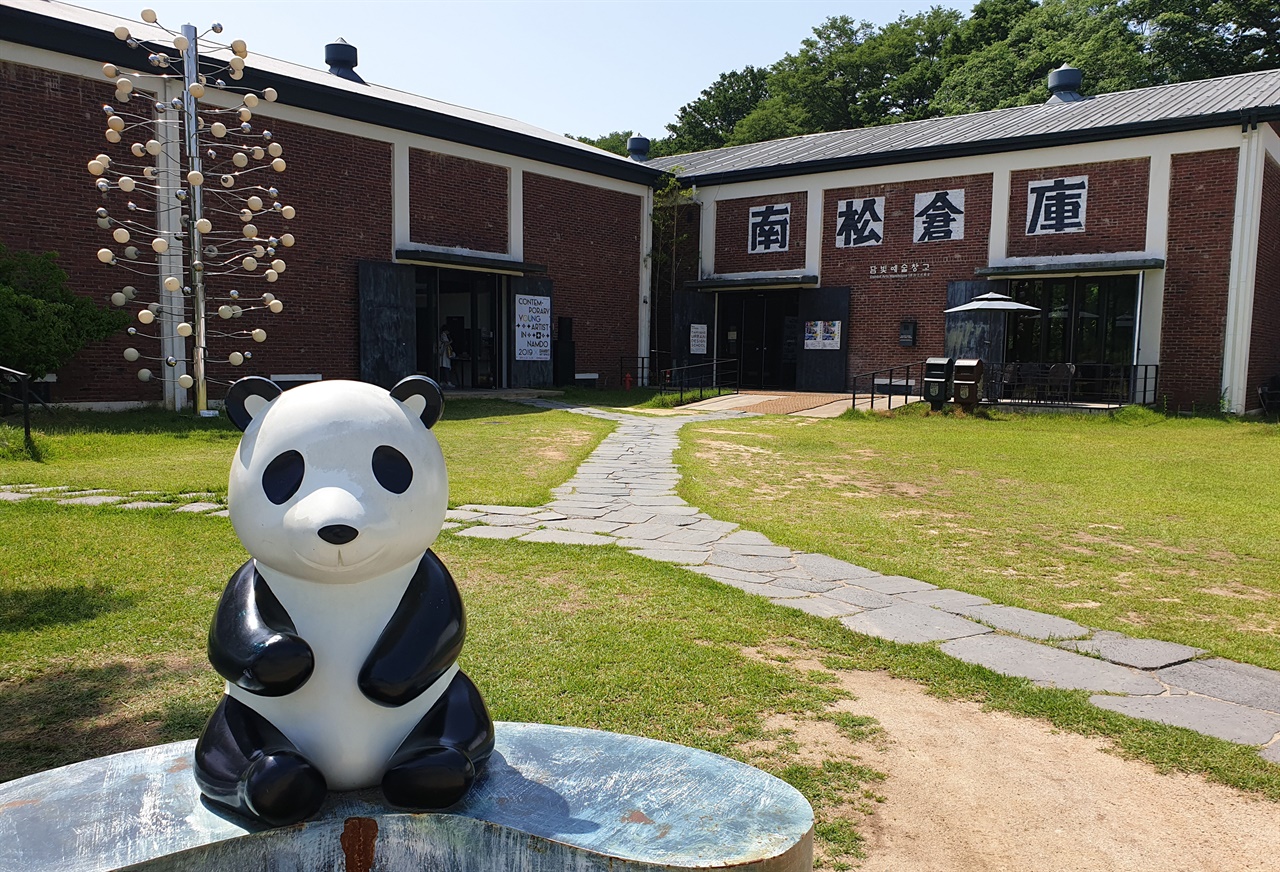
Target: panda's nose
x=338, y=534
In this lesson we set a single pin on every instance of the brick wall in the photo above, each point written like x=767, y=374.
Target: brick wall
x=1264, y=342
x=732, y=235
x=589, y=239
x=48, y=200
x=457, y=203
x=1115, y=217
x=1201, y=214
x=876, y=305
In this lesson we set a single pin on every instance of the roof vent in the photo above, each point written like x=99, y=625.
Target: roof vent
x=341, y=58
x=638, y=148
x=1064, y=85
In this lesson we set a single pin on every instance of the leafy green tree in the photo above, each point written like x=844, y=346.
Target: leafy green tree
x=708, y=121
x=1200, y=39
x=42, y=323
x=1093, y=35
x=615, y=142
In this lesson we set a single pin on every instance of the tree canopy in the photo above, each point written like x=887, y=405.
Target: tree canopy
x=853, y=74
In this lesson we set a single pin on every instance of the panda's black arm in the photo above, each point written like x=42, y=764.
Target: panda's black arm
x=421, y=640
x=253, y=643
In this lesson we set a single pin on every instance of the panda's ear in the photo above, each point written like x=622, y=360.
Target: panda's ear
x=247, y=398
x=422, y=396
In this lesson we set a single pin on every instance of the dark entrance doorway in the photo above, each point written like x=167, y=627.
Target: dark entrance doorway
x=762, y=332
x=465, y=305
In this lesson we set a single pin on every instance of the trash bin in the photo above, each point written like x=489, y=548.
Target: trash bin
x=967, y=381
x=937, y=380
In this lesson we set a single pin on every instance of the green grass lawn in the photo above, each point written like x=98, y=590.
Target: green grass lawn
x=1157, y=527
x=497, y=452
x=104, y=615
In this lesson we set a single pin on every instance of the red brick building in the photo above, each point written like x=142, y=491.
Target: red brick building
x=414, y=218
x=1142, y=225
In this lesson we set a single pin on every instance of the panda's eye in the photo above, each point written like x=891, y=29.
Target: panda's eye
x=283, y=476
x=392, y=469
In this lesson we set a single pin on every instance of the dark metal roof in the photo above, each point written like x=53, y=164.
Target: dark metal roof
x=748, y=283
x=1245, y=99
x=1070, y=267
x=73, y=30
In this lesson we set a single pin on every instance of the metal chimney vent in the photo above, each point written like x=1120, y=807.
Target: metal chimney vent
x=341, y=58
x=638, y=148
x=1064, y=85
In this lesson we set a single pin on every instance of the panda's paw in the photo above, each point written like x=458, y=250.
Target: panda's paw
x=282, y=666
x=434, y=778
x=283, y=788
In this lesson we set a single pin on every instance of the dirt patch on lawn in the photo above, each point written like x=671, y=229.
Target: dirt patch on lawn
x=968, y=789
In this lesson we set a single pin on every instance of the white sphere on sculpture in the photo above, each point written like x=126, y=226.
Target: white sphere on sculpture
x=131, y=252
x=181, y=43
x=278, y=265
x=153, y=147
x=249, y=263
x=245, y=114
x=238, y=46
x=246, y=216
x=115, y=122
x=106, y=255
x=240, y=159
x=131, y=354
x=146, y=316
x=275, y=149
x=149, y=173
x=118, y=299
x=250, y=231
x=96, y=167
x=251, y=100
x=259, y=335
x=172, y=285
x=195, y=178
x=127, y=184
x=276, y=307
x=124, y=85
x=271, y=275
x=112, y=136
x=185, y=381
x=268, y=297
x=104, y=223
x=138, y=149
x=227, y=180
x=130, y=291
x=184, y=329
x=288, y=212
x=149, y=16
x=287, y=240
x=235, y=358
x=224, y=312
x=144, y=375
x=259, y=252
x=270, y=95
x=159, y=245
x=204, y=225
x=122, y=33
x=218, y=129
x=278, y=165
x=254, y=203
x=110, y=71
x=120, y=235
x=195, y=89
x=258, y=153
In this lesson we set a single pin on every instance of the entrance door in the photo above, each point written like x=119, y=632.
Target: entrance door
x=823, y=350
x=464, y=307
x=760, y=331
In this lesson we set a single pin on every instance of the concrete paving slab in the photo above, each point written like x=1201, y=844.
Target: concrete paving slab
x=861, y=597
x=1024, y=622
x=1139, y=653
x=947, y=600
x=661, y=545
x=450, y=525
x=584, y=503
x=711, y=526
x=830, y=569
x=14, y=487
x=819, y=606
x=720, y=557
x=584, y=525
x=105, y=500
x=691, y=536
x=143, y=504
x=677, y=510
x=1050, y=667
x=85, y=493
x=507, y=520
x=225, y=513
x=735, y=576
x=754, y=550
x=544, y=517
x=1222, y=679
x=893, y=584
x=657, y=501
x=747, y=537
x=501, y=510
x=462, y=515
x=567, y=537
x=583, y=512
x=684, y=558
x=494, y=532
x=646, y=531
x=1272, y=752
x=909, y=622
x=47, y=490
x=811, y=585
x=13, y=497
x=1224, y=720
x=775, y=592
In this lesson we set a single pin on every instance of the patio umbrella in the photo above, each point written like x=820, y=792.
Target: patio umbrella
x=991, y=302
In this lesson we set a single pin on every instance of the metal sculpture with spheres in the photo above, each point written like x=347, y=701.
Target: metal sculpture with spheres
x=191, y=205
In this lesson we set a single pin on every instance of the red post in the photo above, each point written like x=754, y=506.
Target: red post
x=626, y=381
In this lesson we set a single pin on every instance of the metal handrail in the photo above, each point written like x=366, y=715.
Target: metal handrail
x=909, y=376
x=1094, y=384
x=720, y=375
x=24, y=382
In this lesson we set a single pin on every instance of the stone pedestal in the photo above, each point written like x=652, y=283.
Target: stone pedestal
x=551, y=798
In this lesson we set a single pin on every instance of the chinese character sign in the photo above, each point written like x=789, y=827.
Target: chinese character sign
x=859, y=222
x=533, y=328
x=769, y=228
x=1057, y=205
x=939, y=216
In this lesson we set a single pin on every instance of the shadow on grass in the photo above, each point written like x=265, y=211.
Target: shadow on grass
x=33, y=609
x=127, y=422
x=70, y=714
x=471, y=409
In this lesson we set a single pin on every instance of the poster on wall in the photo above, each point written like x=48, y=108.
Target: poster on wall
x=697, y=338
x=533, y=328
x=822, y=335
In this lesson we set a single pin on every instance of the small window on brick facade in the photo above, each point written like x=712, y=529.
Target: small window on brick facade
x=939, y=216
x=860, y=222
x=1057, y=205
x=769, y=228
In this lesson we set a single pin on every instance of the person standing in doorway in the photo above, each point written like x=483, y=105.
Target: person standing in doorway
x=446, y=359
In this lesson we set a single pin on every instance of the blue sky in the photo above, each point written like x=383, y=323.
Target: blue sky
x=584, y=67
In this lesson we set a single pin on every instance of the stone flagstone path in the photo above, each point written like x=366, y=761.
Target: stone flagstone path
x=624, y=495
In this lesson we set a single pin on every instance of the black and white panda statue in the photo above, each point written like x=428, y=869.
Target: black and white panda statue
x=339, y=638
